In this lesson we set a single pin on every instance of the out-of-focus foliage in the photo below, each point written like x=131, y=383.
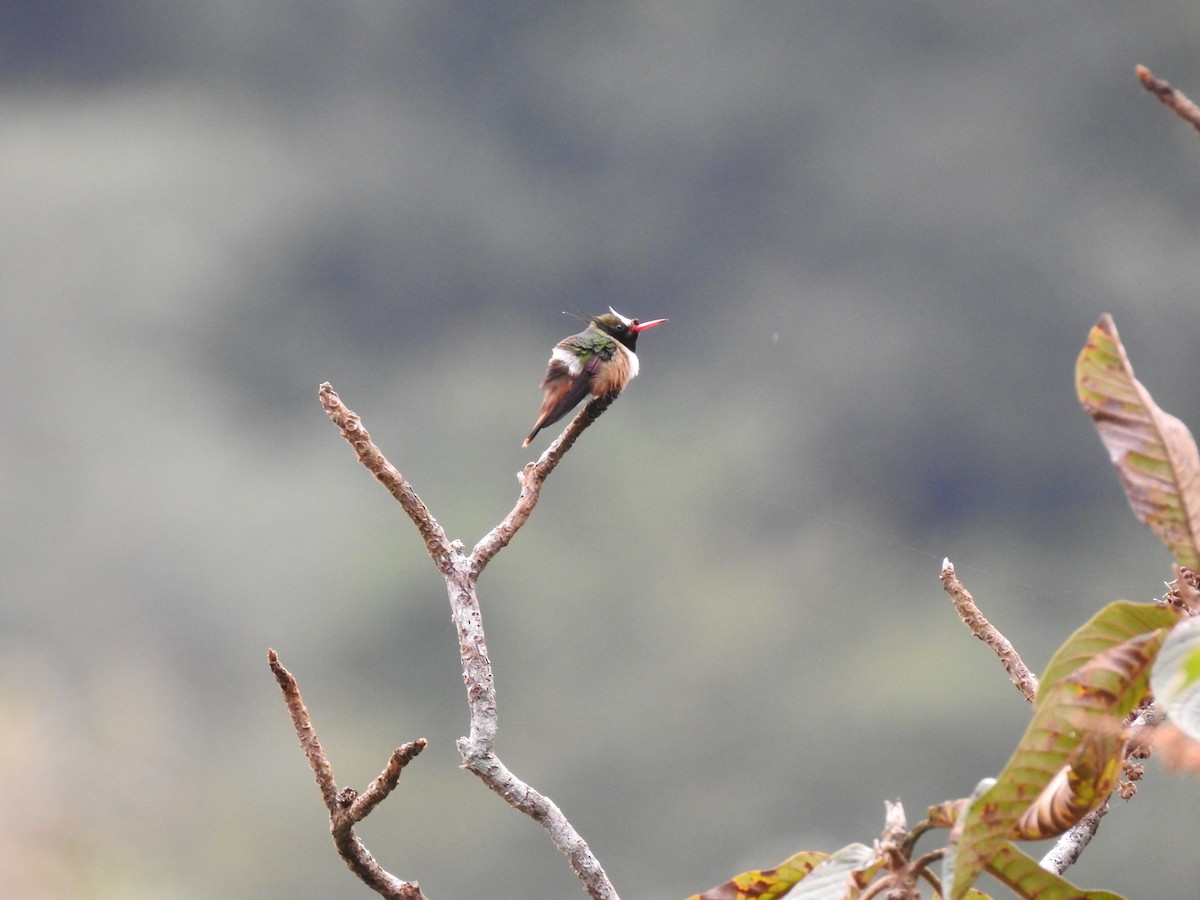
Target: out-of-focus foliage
x=1176, y=676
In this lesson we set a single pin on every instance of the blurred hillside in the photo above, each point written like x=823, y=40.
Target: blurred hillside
x=881, y=232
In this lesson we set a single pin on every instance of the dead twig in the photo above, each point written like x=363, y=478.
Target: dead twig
x=1175, y=100
x=531, y=479
x=460, y=571
x=437, y=545
x=964, y=604
x=346, y=806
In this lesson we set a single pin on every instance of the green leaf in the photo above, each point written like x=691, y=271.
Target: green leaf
x=1023, y=874
x=1153, y=451
x=1070, y=748
x=1175, y=679
x=1113, y=625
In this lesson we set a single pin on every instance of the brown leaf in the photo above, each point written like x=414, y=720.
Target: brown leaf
x=1153, y=451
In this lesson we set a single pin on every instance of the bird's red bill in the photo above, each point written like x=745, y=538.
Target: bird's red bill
x=642, y=326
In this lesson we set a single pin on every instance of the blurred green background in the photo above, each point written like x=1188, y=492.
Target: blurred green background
x=881, y=232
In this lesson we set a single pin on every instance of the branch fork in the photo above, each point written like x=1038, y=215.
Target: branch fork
x=461, y=571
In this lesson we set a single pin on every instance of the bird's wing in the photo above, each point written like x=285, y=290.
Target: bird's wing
x=594, y=349
x=557, y=402
x=564, y=389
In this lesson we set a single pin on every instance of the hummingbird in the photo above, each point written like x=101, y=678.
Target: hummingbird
x=599, y=360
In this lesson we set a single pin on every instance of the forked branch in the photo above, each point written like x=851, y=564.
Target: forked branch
x=531, y=479
x=347, y=807
x=460, y=571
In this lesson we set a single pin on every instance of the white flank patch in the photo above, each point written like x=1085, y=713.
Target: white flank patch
x=570, y=360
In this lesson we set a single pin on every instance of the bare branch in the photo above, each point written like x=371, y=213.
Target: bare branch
x=436, y=544
x=346, y=807
x=1174, y=100
x=520, y=796
x=531, y=479
x=460, y=573
x=386, y=781
x=360, y=861
x=478, y=749
x=317, y=761
x=1018, y=673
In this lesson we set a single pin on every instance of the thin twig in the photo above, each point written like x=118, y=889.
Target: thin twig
x=317, y=760
x=1018, y=673
x=922, y=865
x=1175, y=100
x=436, y=544
x=346, y=807
x=385, y=782
x=531, y=478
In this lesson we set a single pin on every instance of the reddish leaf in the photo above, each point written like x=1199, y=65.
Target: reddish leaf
x=1113, y=625
x=1076, y=723
x=1153, y=451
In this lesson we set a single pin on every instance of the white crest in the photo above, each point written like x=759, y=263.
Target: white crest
x=624, y=319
